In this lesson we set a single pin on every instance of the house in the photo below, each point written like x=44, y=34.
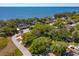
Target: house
x=72, y=50
x=22, y=26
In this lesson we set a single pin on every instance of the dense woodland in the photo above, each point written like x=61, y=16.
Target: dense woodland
x=47, y=33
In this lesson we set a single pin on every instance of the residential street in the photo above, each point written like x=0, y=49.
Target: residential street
x=20, y=46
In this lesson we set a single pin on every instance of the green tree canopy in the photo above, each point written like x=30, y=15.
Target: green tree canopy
x=39, y=45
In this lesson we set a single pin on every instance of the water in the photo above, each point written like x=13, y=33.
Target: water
x=27, y=12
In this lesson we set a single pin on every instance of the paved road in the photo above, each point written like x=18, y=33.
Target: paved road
x=20, y=46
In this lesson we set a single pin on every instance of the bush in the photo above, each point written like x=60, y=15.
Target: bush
x=3, y=42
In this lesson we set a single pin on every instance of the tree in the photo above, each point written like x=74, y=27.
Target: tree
x=37, y=31
x=60, y=23
x=28, y=38
x=65, y=14
x=59, y=34
x=40, y=29
x=58, y=47
x=39, y=45
x=8, y=30
x=11, y=23
x=75, y=34
x=2, y=23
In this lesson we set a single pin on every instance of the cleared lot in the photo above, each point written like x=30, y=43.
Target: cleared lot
x=10, y=49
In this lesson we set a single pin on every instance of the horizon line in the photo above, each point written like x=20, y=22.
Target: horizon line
x=39, y=4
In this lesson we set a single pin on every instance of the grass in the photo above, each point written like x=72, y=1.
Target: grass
x=3, y=42
x=7, y=48
x=15, y=53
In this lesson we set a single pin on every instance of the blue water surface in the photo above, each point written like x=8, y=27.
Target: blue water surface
x=27, y=12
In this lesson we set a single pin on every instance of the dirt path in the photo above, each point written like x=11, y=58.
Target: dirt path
x=9, y=48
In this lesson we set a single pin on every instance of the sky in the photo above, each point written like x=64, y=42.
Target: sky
x=28, y=12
